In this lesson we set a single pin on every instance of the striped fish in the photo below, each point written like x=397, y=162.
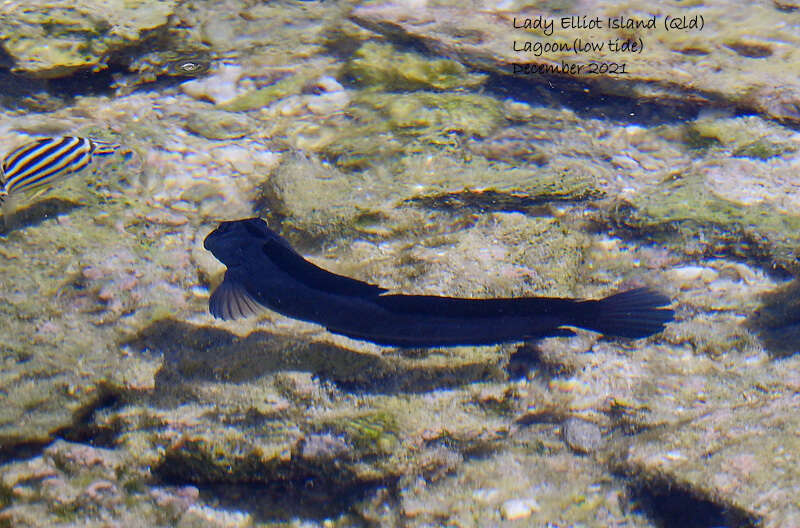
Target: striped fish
x=44, y=161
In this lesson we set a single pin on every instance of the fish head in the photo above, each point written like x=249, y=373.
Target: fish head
x=230, y=240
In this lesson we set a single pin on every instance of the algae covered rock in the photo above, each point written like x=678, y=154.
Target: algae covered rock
x=750, y=64
x=679, y=210
x=378, y=65
x=60, y=355
x=75, y=483
x=428, y=114
x=47, y=40
x=745, y=136
x=523, y=485
x=253, y=99
x=742, y=456
x=381, y=125
x=760, y=149
x=282, y=30
x=216, y=124
x=270, y=409
x=312, y=197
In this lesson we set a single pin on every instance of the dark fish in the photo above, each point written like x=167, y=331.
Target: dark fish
x=264, y=271
x=43, y=161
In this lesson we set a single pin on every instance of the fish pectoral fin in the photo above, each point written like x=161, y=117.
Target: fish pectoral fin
x=232, y=301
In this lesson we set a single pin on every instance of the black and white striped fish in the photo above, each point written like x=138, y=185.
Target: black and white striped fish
x=44, y=161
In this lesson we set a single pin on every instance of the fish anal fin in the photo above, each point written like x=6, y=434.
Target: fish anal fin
x=232, y=301
x=41, y=191
x=9, y=206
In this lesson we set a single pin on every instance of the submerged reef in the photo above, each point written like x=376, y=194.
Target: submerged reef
x=47, y=41
x=379, y=66
x=703, y=66
x=398, y=152
x=686, y=212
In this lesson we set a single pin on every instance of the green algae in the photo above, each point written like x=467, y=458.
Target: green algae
x=430, y=115
x=227, y=454
x=549, y=189
x=747, y=136
x=379, y=66
x=383, y=125
x=363, y=146
x=369, y=433
x=760, y=149
x=262, y=97
x=696, y=139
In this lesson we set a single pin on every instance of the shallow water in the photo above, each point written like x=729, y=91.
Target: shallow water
x=396, y=145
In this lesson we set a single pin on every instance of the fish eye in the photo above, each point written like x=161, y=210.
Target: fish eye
x=193, y=64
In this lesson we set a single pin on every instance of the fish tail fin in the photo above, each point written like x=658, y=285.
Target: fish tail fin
x=634, y=313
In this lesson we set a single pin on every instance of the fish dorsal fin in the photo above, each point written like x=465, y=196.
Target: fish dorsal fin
x=294, y=265
x=231, y=301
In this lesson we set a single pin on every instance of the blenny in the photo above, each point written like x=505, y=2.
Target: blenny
x=263, y=271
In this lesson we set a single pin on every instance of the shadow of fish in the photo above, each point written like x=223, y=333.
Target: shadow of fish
x=265, y=272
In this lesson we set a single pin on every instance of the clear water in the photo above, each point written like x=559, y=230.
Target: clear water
x=429, y=148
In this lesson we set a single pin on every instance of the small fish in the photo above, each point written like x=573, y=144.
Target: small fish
x=44, y=161
x=190, y=65
x=265, y=272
